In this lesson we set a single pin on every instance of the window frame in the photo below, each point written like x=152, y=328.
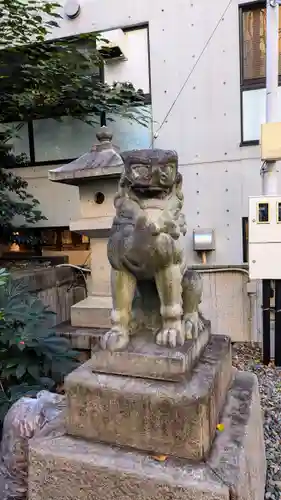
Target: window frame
x=32, y=155
x=249, y=84
x=147, y=101
x=59, y=246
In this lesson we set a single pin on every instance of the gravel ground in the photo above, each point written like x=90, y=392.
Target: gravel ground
x=246, y=357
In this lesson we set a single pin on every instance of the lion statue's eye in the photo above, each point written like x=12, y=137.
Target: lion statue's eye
x=140, y=171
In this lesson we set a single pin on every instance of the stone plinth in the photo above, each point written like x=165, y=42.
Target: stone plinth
x=82, y=339
x=92, y=312
x=66, y=468
x=170, y=418
x=145, y=359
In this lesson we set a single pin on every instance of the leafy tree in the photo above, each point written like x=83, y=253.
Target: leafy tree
x=14, y=199
x=32, y=356
x=41, y=78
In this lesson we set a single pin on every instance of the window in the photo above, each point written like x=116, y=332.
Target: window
x=60, y=140
x=253, y=61
x=254, y=32
x=55, y=239
x=20, y=139
x=51, y=141
x=61, y=238
x=128, y=134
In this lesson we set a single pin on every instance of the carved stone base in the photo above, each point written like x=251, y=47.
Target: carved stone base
x=144, y=358
x=72, y=469
x=82, y=339
x=170, y=418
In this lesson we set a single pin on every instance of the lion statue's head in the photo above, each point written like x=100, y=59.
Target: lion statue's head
x=150, y=172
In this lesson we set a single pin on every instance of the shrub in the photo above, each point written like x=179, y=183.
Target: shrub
x=32, y=356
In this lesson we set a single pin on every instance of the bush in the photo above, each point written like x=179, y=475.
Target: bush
x=32, y=356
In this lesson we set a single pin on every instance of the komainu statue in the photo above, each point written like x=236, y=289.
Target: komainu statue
x=145, y=253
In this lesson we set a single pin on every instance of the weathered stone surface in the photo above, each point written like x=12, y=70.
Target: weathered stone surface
x=52, y=285
x=92, y=312
x=143, y=358
x=171, y=418
x=80, y=338
x=40, y=279
x=67, y=468
x=102, y=160
x=239, y=454
x=144, y=247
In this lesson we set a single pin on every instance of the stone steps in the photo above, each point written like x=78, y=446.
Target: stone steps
x=82, y=339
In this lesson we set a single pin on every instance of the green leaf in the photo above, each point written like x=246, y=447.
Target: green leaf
x=47, y=382
x=4, y=408
x=12, y=364
x=34, y=371
x=20, y=371
x=19, y=390
x=3, y=397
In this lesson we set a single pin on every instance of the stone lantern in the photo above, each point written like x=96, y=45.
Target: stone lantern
x=96, y=173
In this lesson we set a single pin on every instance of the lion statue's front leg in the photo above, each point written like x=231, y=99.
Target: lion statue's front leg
x=168, y=283
x=180, y=297
x=192, y=287
x=123, y=290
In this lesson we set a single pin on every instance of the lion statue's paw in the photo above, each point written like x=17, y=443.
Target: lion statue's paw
x=170, y=337
x=189, y=329
x=194, y=325
x=201, y=323
x=115, y=339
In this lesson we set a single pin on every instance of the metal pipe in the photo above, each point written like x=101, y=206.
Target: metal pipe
x=207, y=269
x=266, y=291
x=277, y=337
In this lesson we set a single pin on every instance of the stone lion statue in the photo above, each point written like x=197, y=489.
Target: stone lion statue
x=145, y=252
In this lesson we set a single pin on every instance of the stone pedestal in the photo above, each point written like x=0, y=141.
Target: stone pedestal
x=147, y=360
x=162, y=417
x=141, y=431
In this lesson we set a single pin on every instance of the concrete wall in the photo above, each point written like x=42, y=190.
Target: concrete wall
x=227, y=304
x=204, y=124
x=75, y=257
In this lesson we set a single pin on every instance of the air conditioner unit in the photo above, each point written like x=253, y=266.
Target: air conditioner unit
x=112, y=45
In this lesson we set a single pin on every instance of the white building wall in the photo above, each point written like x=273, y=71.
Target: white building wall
x=204, y=125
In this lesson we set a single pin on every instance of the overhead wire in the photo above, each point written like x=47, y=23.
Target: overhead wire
x=192, y=70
